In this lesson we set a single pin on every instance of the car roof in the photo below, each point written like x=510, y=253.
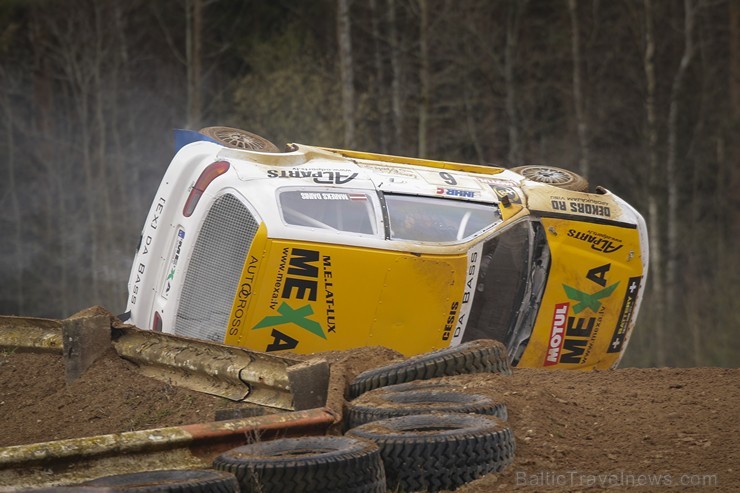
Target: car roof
x=319, y=167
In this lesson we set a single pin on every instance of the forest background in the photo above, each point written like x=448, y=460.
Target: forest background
x=640, y=96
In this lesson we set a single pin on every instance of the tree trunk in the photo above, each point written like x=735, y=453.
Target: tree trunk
x=672, y=177
x=380, y=92
x=344, y=40
x=733, y=126
x=472, y=126
x=655, y=193
x=15, y=210
x=396, y=76
x=424, y=77
x=578, y=99
x=510, y=55
x=101, y=161
x=194, y=56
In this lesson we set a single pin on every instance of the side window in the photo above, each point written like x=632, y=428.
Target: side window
x=335, y=211
x=437, y=220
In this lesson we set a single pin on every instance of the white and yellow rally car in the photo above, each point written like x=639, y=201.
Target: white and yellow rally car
x=317, y=249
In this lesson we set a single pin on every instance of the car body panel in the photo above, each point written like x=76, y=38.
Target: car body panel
x=594, y=278
x=301, y=251
x=312, y=297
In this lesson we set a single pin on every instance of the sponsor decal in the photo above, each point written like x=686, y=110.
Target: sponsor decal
x=450, y=180
x=174, y=258
x=625, y=315
x=504, y=191
x=289, y=315
x=331, y=325
x=598, y=241
x=453, y=192
x=277, y=286
x=145, y=244
x=586, y=300
x=299, y=280
x=281, y=342
x=157, y=213
x=451, y=320
x=323, y=177
x=153, y=224
x=137, y=283
x=243, y=295
x=557, y=334
x=333, y=196
x=389, y=170
x=580, y=205
x=471, y=280
x=581, y=319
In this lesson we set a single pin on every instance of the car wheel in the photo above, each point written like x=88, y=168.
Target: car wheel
x=239, y=139
x=436, y=452
x=384, y=403
x=481, y=356
x=308, y=464
x=175, y=481
x=551, y=175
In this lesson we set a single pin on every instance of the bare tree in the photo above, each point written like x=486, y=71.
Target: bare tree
x=194, y=57
x=672, y=175
x=578, y=97
x=380, y=92
x=515, y=9
x=346, y=71
x=655, y=192
x=12, y=193
x=395, y=46
x=424, y=77
x=734, y=117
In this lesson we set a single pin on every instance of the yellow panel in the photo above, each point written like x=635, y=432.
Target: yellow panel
x=452, y=166
x=584, y=317
x=313, y=297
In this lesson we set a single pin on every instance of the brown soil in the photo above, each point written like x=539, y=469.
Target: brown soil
x=624, y=429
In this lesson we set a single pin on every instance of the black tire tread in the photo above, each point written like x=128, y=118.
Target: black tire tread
x=356, y=468
x=433, y=462
x=382, y=404
x=170, y=481
x=481, y=356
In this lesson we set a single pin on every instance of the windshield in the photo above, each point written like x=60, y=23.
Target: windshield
x=437, y=219
x=511, y=282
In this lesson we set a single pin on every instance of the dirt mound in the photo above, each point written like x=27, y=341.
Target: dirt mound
x=644, y=429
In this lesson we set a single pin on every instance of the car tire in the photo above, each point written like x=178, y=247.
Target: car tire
x=434, y=452
x=239, y=139
x=480, y=356
x=174, y=481
x=551, y=175
x=307, y=464
x=384, y=403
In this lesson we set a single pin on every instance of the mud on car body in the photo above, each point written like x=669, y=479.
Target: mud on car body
x=316, y=249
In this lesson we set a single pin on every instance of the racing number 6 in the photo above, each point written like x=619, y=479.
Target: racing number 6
x=448, y=178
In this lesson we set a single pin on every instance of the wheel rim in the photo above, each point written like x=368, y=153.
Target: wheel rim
x=547, y=175
x=239, y=140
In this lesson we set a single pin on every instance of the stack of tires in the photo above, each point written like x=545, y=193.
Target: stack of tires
x=431, y=436
x=405, y=431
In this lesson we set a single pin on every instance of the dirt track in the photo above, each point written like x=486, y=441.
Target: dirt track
x=626, y=429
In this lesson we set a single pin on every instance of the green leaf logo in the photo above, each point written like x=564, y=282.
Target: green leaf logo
x=290, y=316
x=585, y=300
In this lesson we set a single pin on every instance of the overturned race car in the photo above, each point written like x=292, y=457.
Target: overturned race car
x=315, y=249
